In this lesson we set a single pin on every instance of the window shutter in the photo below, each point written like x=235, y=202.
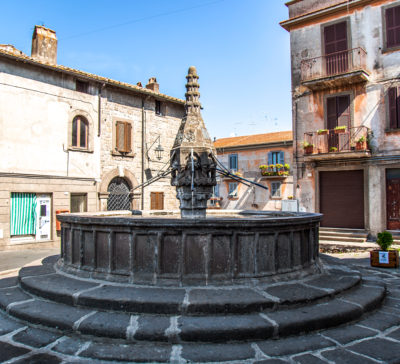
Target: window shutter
x=343, y=110
x=390, y=30
x=393, y=100
x=74, y=132
x=128, y=134
x=331, y=114
x=281, y=157
x=270, y=158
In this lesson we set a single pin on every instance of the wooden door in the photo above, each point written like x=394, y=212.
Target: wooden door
x=157, y=201
x=338, y=114
x=393, y=203
x=342, y=199
x=336, y=54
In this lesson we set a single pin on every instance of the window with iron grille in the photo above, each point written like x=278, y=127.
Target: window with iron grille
x=394, y=107
x=123, y=133
x=275, y=189
x=232, y=191
x=80, y=132
x=392, y=26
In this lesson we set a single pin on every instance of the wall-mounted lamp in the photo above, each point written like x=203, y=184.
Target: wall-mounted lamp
x=159, y=149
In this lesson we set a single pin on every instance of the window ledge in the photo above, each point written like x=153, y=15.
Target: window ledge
x=76, y=149
x=276, y=198
x=121, y=154
x=391, y=49
x=233, y=198
x=396, y=131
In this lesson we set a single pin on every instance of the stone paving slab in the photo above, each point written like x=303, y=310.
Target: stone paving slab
x=12, y=295
x=39, y=359
x=346, y=357
x=379, y=349
x=35, y=337
x=347, y=334
x=296, y=293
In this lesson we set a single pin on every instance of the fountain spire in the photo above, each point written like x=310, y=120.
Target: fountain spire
x=192, y=162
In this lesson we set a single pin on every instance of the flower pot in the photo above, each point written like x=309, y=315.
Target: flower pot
x=361, y=145
x=385, y=259
x=308, y=150
x=340, y=131
x=325, y=132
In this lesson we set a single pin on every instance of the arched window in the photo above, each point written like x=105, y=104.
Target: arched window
x=80, y=132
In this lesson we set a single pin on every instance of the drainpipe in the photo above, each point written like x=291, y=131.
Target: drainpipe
x=294, y=127
x=143, y=144
x=99, y=109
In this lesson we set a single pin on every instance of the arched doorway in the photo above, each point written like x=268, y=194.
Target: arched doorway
x=118, y=195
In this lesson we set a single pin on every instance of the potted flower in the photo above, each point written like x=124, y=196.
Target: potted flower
x=340, y=129
x=308, y=147
x=384, y=257
x=333, y=149
x=361, y=143
x=322, y=131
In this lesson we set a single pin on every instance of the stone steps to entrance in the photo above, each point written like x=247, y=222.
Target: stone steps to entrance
x=343, y=235
x=41, y=296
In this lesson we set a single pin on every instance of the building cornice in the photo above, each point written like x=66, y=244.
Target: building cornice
x=322, y=13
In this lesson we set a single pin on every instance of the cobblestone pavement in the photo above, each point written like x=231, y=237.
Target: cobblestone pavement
x=373, y=339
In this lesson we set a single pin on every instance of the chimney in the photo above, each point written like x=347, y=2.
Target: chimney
x=153, y=85
x=44, y=45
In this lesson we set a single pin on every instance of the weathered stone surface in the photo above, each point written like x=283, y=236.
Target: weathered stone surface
x=8, y=282
x=294, y=345
x=334, y=282
x=36, y=270
x=39, y=359
x=295, y=293
x=395, y=334
x=152, y=328
x=217, y=352
x=49, y=313
x=35, y=337
x=70, y=346
x=56, y=287
x=7, y=325
x=308, y=359
x=348, y=333
x=343, y=356
x=8, y=351
x=380, y=321
x=134, y=299
x=221, y=300
x=11, y=295
x=224, y=328
x=271, y=361
x=130, y=352
x=380, y=349
x=369, y=297
x=314, y=317
x=105, y=324
x=52, y=259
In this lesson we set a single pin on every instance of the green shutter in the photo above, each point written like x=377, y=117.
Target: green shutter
x=23, y=213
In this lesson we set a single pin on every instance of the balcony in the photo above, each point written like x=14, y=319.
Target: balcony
x=337, y=144
x=274, y=171
x=335, y=70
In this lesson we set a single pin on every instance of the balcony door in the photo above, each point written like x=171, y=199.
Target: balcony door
x=336, y=48
x=338, y=114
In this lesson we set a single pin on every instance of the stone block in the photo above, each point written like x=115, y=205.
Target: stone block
x=295, y=293
x=39, y=359
x=35, y=337
x=11, y=295
x=152, y=328
x=378, y=349
x=7, y=325
x=349, y=333
x=105, y=324
x=308, y=359
x=8, y=351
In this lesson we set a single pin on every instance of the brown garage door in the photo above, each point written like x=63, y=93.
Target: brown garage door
x=342, y=199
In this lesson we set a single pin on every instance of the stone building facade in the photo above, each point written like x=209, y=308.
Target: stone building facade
x=75, y=141
x=346, y=110
x=243, y=156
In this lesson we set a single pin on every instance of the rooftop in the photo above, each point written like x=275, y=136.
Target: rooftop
x=255, y=139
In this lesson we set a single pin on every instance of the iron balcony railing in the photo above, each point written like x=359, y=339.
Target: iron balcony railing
x=333, y=64
x=336, y=140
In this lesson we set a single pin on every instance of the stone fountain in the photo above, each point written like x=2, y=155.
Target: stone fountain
x=191, y=288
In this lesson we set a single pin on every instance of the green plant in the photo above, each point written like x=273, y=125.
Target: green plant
x=286, y=166
x=385, y=240
x=361, y=140
x=333, y=149
x=322, y=131
x=341, y=127
x=306, y=144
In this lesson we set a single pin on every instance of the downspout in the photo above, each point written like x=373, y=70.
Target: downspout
x=99, y=109
x=295, y=175
x=143, y=144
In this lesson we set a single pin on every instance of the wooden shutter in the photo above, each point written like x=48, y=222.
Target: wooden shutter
x=281, y=157
x=335, y=37
x=128, y=135
x=156, y=200
x=123, y=133
x=392, y=16
x=331, y=114
x=270, y=158
x=343, y=110
x=393, y=107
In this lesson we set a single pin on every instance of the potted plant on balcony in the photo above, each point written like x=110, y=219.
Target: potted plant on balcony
x=361, y=143
x=308, y=147
x=322, y=131
x=384, y=257
x=340, y=129
x=332, y=149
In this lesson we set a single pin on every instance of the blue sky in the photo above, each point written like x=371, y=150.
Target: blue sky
x=241, y=53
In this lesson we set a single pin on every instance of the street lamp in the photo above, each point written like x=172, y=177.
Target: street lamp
x=159, y=149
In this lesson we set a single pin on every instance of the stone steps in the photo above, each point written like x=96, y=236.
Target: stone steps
x=42, y=297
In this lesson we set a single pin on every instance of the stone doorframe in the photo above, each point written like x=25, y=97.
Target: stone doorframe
x=129, y=178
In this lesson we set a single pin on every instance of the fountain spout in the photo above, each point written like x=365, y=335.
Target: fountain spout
x=192, y=161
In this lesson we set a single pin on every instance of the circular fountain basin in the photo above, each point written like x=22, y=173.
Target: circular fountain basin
x=166, y=250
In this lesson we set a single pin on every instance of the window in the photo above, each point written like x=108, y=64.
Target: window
x=82, y=86
x=336, y=55
x=275, y=189
x=156, y=200
x=78, y=202
x=392, y=20
x=394, y=107
x=23, y=213
x=158, y=108
x=80, y=128
x=123, y=132
x=233, y=162
x=216, y=190
x=338, y=111
x=277, y=157
x=232, y=191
